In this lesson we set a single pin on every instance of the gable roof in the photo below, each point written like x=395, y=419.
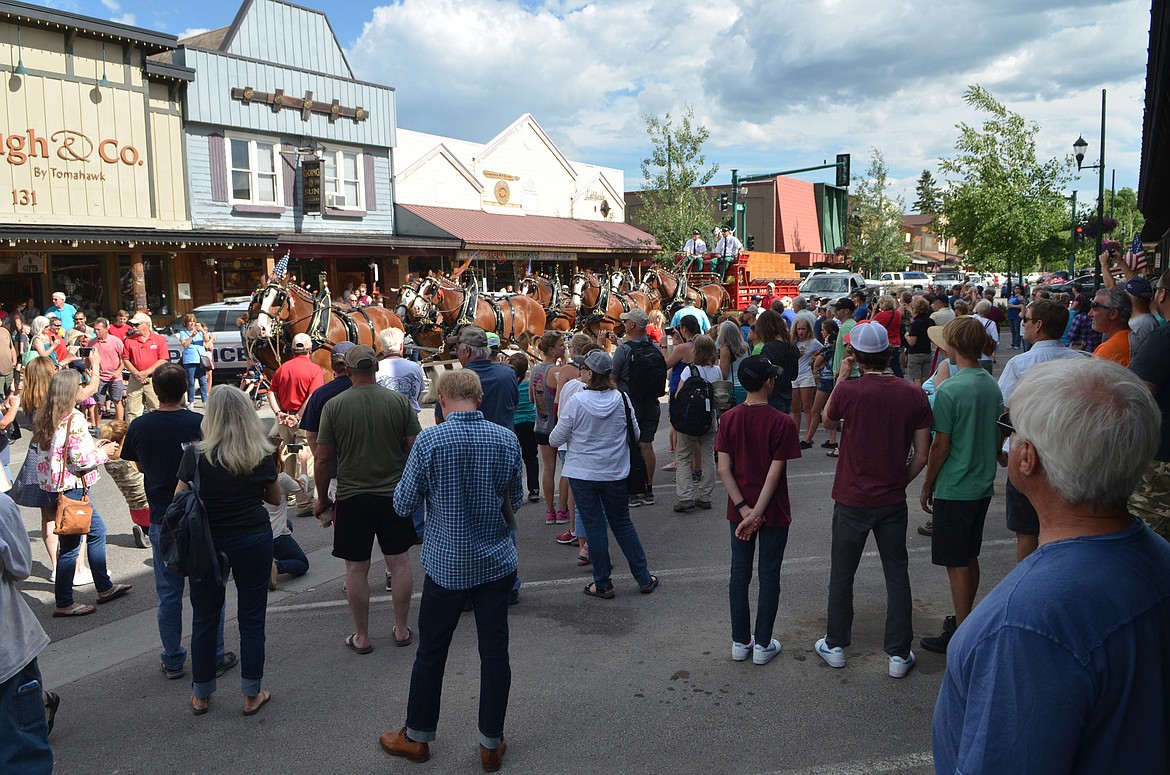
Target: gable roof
x=599, y=177
x=212, y=39
x=256, y=10
x=443, y=151
x=527, y=120
x=495, y=230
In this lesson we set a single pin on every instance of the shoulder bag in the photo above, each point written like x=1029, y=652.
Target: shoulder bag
x=636, y=480
x=73, y=516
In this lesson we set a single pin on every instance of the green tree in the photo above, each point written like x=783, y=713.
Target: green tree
x=672, y=203
x=928, y=201
x=1004, y=207
x=876, y=236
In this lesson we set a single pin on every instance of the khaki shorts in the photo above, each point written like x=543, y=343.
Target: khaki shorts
x=1151, y=498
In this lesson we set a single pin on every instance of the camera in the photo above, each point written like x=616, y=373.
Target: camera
x=294, y=448
x=85, y=352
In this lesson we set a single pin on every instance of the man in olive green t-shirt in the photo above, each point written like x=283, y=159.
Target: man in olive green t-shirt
x=370, y=430
x=961, y=470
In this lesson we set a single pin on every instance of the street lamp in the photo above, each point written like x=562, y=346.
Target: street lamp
x=1079, y=148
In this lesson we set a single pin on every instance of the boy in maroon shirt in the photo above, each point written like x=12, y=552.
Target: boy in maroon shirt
x=753, y=446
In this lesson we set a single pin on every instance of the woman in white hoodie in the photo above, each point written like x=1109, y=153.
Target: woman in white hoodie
x=593, y=428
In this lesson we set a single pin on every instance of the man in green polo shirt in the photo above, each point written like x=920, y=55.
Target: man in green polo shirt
x=961, y=469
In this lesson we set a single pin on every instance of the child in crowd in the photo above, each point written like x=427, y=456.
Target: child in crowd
x=754, y=444
x=287, y=555
x=130, y=482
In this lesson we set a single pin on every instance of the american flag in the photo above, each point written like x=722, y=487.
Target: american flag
x=281, y=268
x=1135, y=259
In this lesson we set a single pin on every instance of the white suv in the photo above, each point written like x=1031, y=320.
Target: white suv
x=228, y=352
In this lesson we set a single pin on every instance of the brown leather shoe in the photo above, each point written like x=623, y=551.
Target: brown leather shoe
x=398, y=744
x=491, y=758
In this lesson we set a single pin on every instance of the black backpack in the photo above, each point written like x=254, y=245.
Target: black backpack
x=647, y=378
x=692, y=410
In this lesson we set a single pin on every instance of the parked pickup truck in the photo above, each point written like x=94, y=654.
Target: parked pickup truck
x=915, y=281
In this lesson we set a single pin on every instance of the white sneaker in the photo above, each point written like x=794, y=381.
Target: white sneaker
x=741, y=651
x=834, y=657
x=900, y=667
x=82, y=577
x=762, y=656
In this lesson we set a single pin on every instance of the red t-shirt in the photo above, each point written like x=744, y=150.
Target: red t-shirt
x=654, y=333
x=110, y=351
x=119, y=331
x=881, y=412
x=295, y=381
x=754, y=436
x=144, y=353
x=892, y=320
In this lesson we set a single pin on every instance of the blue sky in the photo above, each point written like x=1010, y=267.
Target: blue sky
x=780, y=83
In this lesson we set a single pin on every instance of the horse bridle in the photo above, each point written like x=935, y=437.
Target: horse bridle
x=280, y=301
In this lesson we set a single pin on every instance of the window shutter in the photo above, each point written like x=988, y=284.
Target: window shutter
x=288, y=173
x=368, y=175
x=217, y=160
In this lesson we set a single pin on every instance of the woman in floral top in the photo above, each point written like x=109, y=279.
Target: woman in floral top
x=69, y=464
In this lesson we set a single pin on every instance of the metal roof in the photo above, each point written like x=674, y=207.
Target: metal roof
x=477, y=228
x=50, y=18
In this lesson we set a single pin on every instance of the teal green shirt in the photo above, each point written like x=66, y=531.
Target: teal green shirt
x=967, y=407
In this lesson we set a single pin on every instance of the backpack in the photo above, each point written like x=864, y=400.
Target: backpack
x=647, y=378
x=692, y=410
x=185, y=544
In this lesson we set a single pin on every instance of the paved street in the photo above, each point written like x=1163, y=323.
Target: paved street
x=640, y=683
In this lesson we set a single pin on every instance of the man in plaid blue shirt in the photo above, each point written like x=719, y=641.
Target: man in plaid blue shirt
x=463, y=469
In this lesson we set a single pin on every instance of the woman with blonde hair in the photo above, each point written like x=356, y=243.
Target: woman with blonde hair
x=236, y=475
x=804, y=387
x=70, y=466
x=823, y=368
x=732, y=350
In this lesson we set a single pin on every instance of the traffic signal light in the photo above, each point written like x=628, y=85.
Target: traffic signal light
x=751, y=242
x=723, y=203
x=843, y=170
x=1079, y=234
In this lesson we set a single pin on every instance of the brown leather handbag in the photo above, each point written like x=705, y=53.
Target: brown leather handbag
x=73, y=516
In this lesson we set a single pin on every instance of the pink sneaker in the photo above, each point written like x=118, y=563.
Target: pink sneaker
x=562, y=517
x=550, y=518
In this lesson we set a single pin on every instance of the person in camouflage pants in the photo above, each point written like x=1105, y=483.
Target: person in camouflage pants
x=1151, y=363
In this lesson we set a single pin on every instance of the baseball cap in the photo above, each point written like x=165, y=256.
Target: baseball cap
x=752, y=309
x=140, y=317
x=493, y=340
x=755, y=371
x=473, y=336
x=869, y=338
x=599, y=361
x=1140, y=287
x=340, y=349
x=302, y=343
x=637, y=317
x=360, y=356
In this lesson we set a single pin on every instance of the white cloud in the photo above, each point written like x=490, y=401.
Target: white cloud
x=126, y=18
x=191, y=32
x=780, y=83
x=112, y=5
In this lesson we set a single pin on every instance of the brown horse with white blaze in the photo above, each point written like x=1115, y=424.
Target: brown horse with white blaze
x=281, y=309
x=516, y=319
x=559, y=314
x=712, y=298
x=599, y=306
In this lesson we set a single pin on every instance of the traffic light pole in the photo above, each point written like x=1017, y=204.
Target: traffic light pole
x=841, y=165
x=1072, y=253
x=734, y=202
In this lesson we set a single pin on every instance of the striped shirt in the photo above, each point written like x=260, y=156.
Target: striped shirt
x=463, y=469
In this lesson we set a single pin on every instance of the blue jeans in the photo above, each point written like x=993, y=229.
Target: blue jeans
x=169, y=587
x=782, y=405
x=605, y=506
x=851, y=529
x=250, y=559
x=290, y=557
x=95, y=550
x=772, y=541
x=896, y=362
x=24, y=731
x=196, y=374
x=438, y=616
x=1015, y=324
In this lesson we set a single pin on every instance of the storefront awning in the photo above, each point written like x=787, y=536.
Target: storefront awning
x=75, y=236
x=475, y=228
x=384, y=241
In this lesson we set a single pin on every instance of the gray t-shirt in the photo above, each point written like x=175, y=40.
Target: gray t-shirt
x=368, y=426
x=1142, y=326
x=402, y=376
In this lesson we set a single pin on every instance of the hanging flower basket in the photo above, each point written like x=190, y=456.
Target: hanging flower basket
x=1091, y=226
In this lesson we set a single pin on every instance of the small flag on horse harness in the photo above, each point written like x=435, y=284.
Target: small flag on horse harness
x=281, y=268
x=1135, y=259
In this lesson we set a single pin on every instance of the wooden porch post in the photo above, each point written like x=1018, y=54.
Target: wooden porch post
x=138, y=280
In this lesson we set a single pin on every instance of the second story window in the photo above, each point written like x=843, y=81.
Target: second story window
x=342, y=184
x=255, y=173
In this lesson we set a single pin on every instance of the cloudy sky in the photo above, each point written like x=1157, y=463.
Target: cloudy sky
x=781, y=84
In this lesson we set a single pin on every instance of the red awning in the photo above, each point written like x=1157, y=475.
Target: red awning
x=477, y=228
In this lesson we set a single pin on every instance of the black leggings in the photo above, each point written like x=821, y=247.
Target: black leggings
x=527, y=436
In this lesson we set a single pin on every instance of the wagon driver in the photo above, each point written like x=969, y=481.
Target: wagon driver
x=726, y=251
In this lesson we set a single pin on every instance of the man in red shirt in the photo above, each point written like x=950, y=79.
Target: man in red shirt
x=144, y=351
x=290, y=388
x=110, y=350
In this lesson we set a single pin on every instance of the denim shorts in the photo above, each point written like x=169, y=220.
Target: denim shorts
x=825, y=384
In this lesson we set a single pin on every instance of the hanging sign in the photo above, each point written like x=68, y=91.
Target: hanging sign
x=311, y=186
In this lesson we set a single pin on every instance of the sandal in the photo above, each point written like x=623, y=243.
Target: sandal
x=592, y=590
x=583, y=560
x=829, y=445
x=77, y=609
x=649, y=586
x=405, y=641
x=263, y=698
x=198, y=711
x=832, y=453
x=51, y=704
x=114, y=593
x=351, y=644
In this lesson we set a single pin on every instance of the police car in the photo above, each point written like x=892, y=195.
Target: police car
x=228, y=352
